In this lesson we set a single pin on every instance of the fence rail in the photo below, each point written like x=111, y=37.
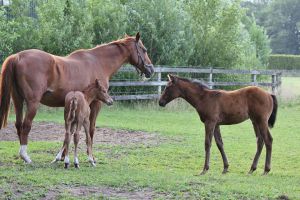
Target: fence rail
x=159, y=83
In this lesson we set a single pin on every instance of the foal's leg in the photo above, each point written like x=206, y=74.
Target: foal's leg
x=209, y=131
x=265, y=134
x=219, y=142
x=76, y=141
x=260, y=144
x=95, y=108
x=86, y=125
x=66, y=148
x=32, y=107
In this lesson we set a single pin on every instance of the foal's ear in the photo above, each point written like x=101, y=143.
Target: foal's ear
x=97, y=82
x=172, y=78
x=137, y=36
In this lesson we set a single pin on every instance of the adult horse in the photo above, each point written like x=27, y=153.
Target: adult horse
x=218, y=107
x=34, y=77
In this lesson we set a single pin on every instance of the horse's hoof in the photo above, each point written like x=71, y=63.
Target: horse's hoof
x=225, y=171
x=265, y=173
x=76, y=165
x=66, y=165
x=93, y=164
x=203, y=172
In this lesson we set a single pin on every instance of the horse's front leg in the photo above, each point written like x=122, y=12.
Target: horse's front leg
x=209, y=132
x=95, y=108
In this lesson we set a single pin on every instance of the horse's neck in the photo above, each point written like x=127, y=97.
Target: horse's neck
x=89, y=96
x=193, y=95
x=112, y=56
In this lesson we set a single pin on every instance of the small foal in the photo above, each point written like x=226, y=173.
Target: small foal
x=77, y=112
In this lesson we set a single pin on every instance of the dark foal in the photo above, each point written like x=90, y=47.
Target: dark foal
x=218, y=107
x=77, y=113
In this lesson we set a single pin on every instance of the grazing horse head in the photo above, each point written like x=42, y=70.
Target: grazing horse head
x=171, y=91
x=139, y=57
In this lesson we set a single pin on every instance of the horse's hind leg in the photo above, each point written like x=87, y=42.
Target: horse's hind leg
x=26, y=127
x=260, y=144
x=219, y=142
x=268, y=140
x=18, y=104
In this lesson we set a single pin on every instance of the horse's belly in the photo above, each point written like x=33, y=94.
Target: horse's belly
x=233, y=118
x=53, y=100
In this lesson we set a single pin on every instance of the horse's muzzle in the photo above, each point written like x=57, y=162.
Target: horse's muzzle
x=162, y=103
x=109, y=102
x=149, y=70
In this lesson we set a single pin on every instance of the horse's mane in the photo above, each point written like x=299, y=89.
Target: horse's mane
x=123, y=41
x=120, y=42
x=200, y=84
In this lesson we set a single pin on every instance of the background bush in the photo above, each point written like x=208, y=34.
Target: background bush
x=205, y=33
x=281, y=61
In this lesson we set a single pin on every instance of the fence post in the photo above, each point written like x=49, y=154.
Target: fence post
x=159, y=80
x=253, y=77
x=274, y=83
x=210, y=80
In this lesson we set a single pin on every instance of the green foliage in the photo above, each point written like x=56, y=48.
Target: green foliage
x=165, y=29
x=281, y=19
x=64, y=26
x=201, y=33
x=109, y=20
x=281, y=61
x=259, y=39
x=219, y=35
x=16, y=28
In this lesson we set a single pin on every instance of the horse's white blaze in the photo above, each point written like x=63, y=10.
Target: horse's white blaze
x=23, y=153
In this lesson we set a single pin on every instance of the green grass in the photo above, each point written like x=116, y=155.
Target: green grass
x=170, y=169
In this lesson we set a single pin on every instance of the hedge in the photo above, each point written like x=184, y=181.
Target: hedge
x=282, y=61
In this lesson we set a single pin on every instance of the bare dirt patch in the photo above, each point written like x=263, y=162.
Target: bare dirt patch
x=49, y=131
x=104, y=192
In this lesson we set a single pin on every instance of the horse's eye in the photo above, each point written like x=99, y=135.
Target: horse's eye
x=145, y=50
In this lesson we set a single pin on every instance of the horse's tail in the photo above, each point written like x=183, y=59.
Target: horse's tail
x=72, y=110
x=6, y=88
x=272, y=118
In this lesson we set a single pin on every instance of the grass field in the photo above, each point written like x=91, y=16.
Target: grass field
x=168, y=170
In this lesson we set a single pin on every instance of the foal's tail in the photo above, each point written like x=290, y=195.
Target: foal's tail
x=6, y=88
x=72, y=110
x=272, y=118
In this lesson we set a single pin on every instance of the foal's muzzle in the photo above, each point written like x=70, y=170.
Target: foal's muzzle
x=162, y=103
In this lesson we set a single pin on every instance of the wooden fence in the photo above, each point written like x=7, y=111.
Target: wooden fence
x=159, y=83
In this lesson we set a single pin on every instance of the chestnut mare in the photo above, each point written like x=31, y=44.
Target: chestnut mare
x=34, y=77
x=218, y=107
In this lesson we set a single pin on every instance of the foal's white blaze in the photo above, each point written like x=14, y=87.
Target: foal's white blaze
x=23, y=153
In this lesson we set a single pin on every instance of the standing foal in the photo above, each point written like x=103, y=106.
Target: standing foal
x=218, y=107
x=77, y=112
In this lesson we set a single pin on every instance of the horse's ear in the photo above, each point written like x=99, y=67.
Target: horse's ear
x=137, y=36
x=126, y=36
x=172, y=78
